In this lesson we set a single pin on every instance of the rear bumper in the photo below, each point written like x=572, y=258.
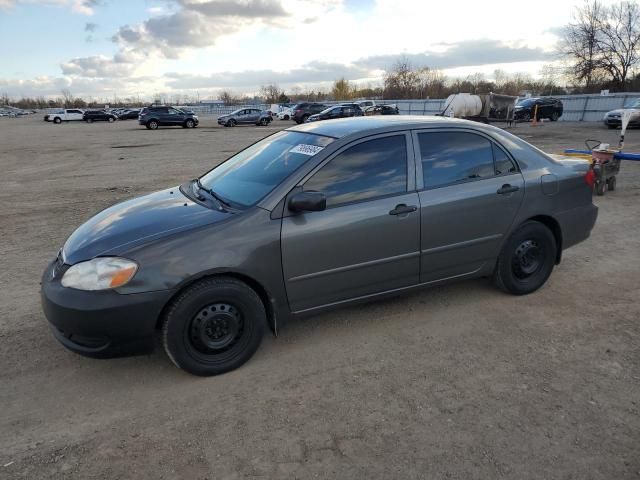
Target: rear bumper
x=576, y=224
x=101, y=324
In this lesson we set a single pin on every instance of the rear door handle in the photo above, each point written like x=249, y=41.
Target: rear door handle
x=506, y=188
x=403, y=209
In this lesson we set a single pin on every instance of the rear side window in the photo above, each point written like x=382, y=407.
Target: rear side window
x=504, y=164
x=454, y=157
x=367, y=170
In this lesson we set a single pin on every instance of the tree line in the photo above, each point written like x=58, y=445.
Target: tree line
x=599, y=49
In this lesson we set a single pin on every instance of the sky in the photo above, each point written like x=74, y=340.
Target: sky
x=130, y=48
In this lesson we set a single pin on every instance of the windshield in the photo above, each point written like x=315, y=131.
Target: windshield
x=634, y=104
x=526, y=102
x=251, y=174
x=330, y=109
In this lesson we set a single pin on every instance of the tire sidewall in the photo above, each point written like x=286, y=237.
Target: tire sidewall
x=153, y=125
x=186, y=306
x=506, y=278
x=189, y=124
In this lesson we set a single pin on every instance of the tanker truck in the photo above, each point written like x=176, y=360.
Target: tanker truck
x=481, y=108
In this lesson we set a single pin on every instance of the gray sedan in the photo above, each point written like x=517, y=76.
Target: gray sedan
x=244, y=116
x=314, y=217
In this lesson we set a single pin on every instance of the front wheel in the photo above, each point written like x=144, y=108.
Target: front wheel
x=89, y=120
x=231, y=123
x=57, y=121
x=214, y=326
x=526, y=260
x=111, y=120
x=189, y=123
x=526, y=117
x=555, y=117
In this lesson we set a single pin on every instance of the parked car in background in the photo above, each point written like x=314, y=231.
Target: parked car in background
x=91, y=116
x=548, y=107
x=337, y=111
x=163, y=116
x=65, y=115
x=309, y=218
x=285, y=113
x=382, y=110
x=245, y=116
x=302, y=111
x=364, y=104
x=613, y=119
x=129, y=114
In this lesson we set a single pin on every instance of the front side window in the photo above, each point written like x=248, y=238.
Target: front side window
x=248, y=176
x=454, y=157
x=367, y=170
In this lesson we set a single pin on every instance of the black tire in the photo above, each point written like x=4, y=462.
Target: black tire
x=231, y=123
x=526, y=260
x=189, y=123
x=612, y=127
x=263, y=122
x=611, y=184
x=286, y=117
x=555, y=117
x=304, y=117
x=526, y=117
x=601, y=187
x=89, y=120
x=214, y=326
x=111, y=120
x=57, y=121
x=153, y=124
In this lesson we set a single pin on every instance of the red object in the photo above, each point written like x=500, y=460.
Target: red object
x=590, y=178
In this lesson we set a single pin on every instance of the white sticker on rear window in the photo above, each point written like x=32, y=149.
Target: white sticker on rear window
x=306, y=149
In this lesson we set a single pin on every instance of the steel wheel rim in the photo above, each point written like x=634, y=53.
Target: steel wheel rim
x=528, y=259
x=215, y=328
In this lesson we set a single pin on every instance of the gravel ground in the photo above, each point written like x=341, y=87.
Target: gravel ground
x=457, y=382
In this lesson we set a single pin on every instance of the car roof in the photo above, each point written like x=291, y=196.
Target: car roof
x=347, y=126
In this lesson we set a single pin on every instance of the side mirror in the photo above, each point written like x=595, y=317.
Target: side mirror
x=308, y=202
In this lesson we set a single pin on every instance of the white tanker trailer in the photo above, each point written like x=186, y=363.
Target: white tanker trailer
x=481, y=108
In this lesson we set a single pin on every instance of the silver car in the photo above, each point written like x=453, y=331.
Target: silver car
x=613, y=119
x=244, y=116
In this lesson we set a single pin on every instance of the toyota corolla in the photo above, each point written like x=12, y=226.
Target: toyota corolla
x=313, y=217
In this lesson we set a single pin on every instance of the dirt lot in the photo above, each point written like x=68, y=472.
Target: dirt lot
x=460, y=382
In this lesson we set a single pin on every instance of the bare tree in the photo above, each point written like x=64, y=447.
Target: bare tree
x=67, y=97
x=401, y=81
x=227, y=97
x=270, y=93
x=342, y=89
x=619, y=41
x=580, y=42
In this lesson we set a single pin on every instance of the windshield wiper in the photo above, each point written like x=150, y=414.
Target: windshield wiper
x=217, y=197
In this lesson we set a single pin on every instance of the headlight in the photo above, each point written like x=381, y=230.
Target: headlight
x=100, y=274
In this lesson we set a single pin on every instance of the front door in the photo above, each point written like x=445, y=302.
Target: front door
x=367, y=239
x=471, y=193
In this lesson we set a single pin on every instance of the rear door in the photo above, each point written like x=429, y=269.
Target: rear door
x=253, y=116
x=174, y=116
x=471, y=191
x=367, y=239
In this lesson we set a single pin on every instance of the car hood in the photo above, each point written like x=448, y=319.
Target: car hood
x=135, y=222
x=616, y=112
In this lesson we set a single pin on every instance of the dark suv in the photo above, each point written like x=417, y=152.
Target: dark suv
x=157, y=116
x=302, y=111
x=548, y=107
x=91, y=116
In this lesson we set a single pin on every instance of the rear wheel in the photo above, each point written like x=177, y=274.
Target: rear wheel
x=153, y=125
x=526, y=260
x=601, y=187
x=305, y=117
x=214, y=326
x=264, y=122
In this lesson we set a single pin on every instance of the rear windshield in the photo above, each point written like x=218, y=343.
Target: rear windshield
x=251, y=174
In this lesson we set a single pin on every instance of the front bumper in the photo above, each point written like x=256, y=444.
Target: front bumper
x=104, y=323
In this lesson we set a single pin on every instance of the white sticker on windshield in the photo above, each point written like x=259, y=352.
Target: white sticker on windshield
x=306, y=149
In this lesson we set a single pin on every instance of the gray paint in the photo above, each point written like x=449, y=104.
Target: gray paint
x=310, y=261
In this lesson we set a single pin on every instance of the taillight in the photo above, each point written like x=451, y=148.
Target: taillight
x=299, y=110
x=590, y=178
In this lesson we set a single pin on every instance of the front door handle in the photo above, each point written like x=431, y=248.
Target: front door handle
x=403, y=209
x=506, y=188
